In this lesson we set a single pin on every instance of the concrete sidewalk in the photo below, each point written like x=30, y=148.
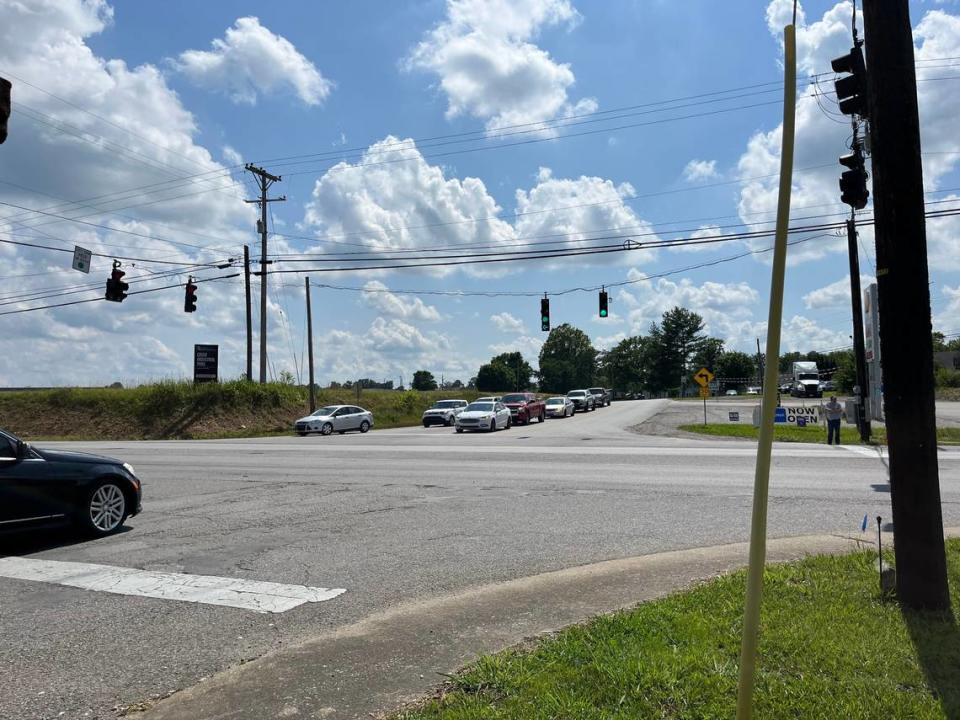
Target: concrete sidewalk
x=390, y=658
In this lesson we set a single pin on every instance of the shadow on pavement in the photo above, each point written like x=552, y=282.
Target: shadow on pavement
x=937, y=640
x=28, y=542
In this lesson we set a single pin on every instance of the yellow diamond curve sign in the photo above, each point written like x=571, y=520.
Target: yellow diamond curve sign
x=703, y=377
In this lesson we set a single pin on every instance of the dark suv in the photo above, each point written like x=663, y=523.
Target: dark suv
x=601, y=397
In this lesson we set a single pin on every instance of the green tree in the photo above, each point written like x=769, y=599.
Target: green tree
x=625, y=365
x=676, y=340
x=423, y=380
x=708, y=354
x=845, y=373
x=519, y=368
x=492, y=377
x=939, y=341
x=567, y=360
x=735, y=368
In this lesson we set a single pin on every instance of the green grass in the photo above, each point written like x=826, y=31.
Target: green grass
x=785, y=433
x=829, y=648
x=185, y=410
x=811, y=433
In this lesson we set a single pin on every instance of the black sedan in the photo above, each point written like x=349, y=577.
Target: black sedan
x=43, y=486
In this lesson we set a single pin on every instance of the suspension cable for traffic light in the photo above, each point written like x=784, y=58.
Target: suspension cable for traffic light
x=102, y=299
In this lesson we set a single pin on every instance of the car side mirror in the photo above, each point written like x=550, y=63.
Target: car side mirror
x=21, y=449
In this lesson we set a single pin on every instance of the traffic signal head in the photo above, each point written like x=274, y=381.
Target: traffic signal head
x=853, y=182
x=603, y=304
x=4, y=107
x=116, y=288
x=190, y=297
x=851, y=90
x=545, y=314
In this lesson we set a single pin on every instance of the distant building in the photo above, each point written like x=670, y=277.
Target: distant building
x=949, y=359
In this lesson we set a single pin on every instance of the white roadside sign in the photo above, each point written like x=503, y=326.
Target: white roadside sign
x=81, y=259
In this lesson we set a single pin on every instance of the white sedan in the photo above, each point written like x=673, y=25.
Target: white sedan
x=484, y=416
x=339, y=418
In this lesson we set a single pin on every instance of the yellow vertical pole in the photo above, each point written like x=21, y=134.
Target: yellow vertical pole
x=761, y=483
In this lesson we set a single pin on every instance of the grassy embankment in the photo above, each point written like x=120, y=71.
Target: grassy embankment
x=830, y=648
x=169, y=410
x=810, y=433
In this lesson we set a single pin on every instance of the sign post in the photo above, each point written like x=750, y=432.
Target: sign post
x=205, y=363
x=703, y=377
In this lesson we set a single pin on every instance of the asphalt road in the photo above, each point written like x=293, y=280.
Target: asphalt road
x=391, y=516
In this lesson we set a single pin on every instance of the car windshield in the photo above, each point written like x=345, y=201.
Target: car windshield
x=576, y=393
x=329, y=410
x=446, y=404
x=596, y=391
x=808, y=376
x=513, y=398
x=480, y=407
x=555, y=401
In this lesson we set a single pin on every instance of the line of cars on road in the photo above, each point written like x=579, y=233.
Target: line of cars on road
x=492, y=412
x=496, y=412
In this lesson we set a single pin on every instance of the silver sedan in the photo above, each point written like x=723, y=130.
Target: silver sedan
x=335, y=418
x=488, y=416
x=559, y=406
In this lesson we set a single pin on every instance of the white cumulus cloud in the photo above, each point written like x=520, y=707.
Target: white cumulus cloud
x=697, y=170
x=379, y=297
x=834, y=295
x=252, y=60
x=505, y=322
x=488, y=68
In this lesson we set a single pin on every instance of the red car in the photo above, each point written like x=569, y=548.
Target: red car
x=525, y=407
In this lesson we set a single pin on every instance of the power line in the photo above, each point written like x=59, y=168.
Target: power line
x=99, y=299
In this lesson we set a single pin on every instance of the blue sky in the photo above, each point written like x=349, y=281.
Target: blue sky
x=124, y=105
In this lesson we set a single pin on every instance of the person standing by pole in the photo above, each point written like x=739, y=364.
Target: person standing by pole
x=834, y=412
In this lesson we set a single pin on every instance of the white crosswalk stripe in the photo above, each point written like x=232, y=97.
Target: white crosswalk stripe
x=256, y=595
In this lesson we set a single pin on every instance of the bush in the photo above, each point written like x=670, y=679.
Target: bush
x=946, y=378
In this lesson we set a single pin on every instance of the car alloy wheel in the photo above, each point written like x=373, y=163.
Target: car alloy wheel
x=107, y=508
x=326, y=429
x=364, y=426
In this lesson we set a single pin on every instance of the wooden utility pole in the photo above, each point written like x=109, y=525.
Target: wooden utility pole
x=904, y=303
x=264, y=180
x=313, y=392
x=859, y=351
x=246, y=283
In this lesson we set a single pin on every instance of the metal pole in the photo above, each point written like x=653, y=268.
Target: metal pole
x=313, y=391
x=859, y=353
x=758, y=529
x=246, y=283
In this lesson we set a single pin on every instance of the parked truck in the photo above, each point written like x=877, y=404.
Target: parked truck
x=806, y=380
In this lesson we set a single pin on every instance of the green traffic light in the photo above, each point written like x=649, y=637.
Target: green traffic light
x=603, y=313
